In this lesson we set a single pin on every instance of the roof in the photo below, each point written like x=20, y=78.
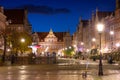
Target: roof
x=59, y=35
x=15, y=15
x=103, y=14
x=85, y=23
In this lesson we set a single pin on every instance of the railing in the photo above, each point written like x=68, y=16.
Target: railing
x=26, y=60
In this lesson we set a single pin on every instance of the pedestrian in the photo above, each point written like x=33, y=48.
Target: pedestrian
x=12, y=58
x=84, y=74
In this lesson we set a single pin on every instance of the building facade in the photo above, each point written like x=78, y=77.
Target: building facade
x=110, y=38
x=18, y=20
x=52, y=41
x=112, y=24
x=2, y=26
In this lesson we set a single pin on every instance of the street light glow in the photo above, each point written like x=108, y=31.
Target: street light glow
x=100, y=27
x=82, y=43
x=111, y=32
x=23, y=40
x=117, y=44
x=70, y=47
x=93, y=39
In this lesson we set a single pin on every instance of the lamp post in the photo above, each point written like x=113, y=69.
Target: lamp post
x=100, y=29
x=4, y=34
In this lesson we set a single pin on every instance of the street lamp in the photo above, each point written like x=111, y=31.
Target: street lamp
x=100, y=28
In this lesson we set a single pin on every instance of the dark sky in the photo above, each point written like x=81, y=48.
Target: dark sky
x=59, y=15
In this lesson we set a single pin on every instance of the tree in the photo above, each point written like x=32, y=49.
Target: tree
x=4, y=33
x=17, y=45
x=69, y=51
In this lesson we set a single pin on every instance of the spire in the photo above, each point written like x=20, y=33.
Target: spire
x=51, y=31
x=51, y=34
x=96, y=18
x=92, y=15
x=80, y=19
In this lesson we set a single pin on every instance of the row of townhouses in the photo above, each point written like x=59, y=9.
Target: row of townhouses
x=87, y=36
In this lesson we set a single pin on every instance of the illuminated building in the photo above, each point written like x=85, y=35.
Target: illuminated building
x=87, y=30
x=51, y=41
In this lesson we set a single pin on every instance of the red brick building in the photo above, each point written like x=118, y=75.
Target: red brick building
x=18, y=20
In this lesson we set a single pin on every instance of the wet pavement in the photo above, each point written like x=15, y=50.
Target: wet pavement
x=53, y=72
x=70, y=70
x=38, y=73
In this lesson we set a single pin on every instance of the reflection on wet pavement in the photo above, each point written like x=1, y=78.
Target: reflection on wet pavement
x=37, y=73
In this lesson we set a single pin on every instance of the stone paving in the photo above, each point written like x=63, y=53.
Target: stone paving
x=56, y=72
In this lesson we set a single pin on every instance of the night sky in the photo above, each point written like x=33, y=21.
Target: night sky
x=58, y=15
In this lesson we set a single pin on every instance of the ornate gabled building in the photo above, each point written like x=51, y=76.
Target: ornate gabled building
x=87, y=30
x=52, y=41
x=18, y=20
x=111, y=21
x=82, y=34
x=98, y=17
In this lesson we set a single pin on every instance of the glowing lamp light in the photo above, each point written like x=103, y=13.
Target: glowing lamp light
x=65, y=48
x=111, y=32
x=70, y=47
x=93, y=39
x=23, y=40
x=100, y=27
x=8, y=50
x=117, y=45
x=87, y=50
x=82, y=43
